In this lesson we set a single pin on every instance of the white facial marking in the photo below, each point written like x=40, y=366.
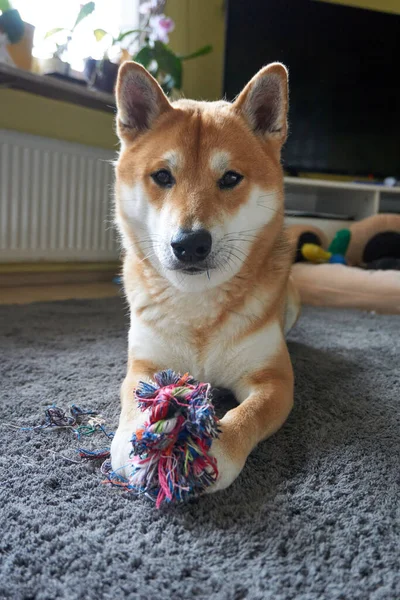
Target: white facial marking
x=144, y=221
x=152, y=228
x=219, y=161
x=134, y=202
x=232, y=240
x=173, y=159
x=259, y=210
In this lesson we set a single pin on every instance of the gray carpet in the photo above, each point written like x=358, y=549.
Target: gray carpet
x=315, y=514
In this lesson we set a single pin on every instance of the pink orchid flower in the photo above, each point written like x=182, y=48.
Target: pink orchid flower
x=161, y=26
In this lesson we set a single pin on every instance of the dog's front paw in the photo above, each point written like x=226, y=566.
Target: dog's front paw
x=121, y=446
x=230, y=462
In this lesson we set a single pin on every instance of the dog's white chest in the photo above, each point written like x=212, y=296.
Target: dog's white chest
x=222, y=359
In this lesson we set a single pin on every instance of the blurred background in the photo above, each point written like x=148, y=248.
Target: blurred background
x=58, y=65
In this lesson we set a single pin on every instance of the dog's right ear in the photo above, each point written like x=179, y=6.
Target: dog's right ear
x=140, y=101
x=264, y=102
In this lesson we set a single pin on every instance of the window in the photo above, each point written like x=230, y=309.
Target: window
x=113, y=16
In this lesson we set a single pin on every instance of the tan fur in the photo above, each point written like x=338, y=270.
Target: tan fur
x=257, y=297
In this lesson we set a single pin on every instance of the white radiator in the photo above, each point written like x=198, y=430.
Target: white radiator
x=55, y=200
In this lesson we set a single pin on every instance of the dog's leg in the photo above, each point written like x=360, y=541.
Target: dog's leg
x=131, y=417
x=266, y=398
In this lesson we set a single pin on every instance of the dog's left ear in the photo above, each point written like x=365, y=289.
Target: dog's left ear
x=264, y=102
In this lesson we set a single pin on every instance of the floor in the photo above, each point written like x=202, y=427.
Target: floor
x=65, y=291
x=314, y=514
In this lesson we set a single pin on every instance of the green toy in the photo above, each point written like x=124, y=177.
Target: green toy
x=340, y=242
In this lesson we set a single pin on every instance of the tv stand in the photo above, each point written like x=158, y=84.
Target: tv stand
x=343, y=201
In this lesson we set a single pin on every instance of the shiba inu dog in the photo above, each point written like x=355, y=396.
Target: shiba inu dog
x=199, y=205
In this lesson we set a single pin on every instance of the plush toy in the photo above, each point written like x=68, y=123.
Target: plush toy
x=340, y=242
x=170, y=454
x=314, y=253
x=305, y=234
x=335, y=253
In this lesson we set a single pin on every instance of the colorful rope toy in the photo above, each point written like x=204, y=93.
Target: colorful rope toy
x=170, y=454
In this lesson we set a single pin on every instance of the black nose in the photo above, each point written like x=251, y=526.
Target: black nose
x=192, y=246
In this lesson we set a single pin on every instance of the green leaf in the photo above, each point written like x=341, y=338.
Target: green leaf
x=99, y=34
x=125, y=34
x=144, y=56
x=200, y=52
x=169, y=63
x=5, y=5
x=85, y=11
x=54, y=31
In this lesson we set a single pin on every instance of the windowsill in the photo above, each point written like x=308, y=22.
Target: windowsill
x=50, y=87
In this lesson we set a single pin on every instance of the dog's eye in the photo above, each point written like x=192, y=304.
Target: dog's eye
x=229, y=180
x=163, y=178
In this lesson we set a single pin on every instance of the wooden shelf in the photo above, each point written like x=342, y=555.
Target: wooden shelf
x=355, y=201
x=344, y=185
x=51, y=87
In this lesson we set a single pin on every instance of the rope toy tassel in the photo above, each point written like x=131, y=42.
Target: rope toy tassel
x=170, y=453
x=104, y=453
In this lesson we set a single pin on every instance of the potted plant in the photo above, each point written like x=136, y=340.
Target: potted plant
x=102, y=74
x=57, y=66
x=155, y=54
x=152, y=51
x=15, y=37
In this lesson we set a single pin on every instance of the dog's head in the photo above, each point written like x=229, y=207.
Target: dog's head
x=199, y=185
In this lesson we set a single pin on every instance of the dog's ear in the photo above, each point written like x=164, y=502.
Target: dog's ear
x=264, y=102
x=140, y=101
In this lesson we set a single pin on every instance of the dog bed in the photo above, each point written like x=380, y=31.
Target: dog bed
x=348, y=287
x=375, y=241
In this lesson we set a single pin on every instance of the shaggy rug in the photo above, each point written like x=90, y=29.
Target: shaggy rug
x=314, y=515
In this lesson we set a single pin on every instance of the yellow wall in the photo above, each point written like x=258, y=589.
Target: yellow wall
x=199, y=22
x=29, y=113
x=391, y=6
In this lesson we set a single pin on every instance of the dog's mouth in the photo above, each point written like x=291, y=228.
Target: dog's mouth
x=203, y=267
x=189, y=269
x=193, y=270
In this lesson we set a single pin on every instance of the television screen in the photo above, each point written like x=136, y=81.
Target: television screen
x=344, y=80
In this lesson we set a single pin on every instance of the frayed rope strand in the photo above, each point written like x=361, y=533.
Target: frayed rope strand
x=82, y=422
